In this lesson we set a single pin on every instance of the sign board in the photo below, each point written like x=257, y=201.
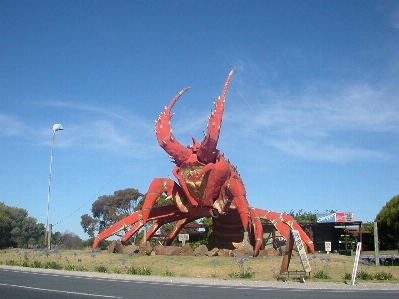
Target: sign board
x=327, y=246
x=184, y=237
x=335, y=217
x=295, y=238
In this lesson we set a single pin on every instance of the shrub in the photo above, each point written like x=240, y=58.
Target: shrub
x=383, y=276
x=52, y=265
x=139, y=271
x=321, y=275
x=36, y=264
x=347, y=276
x=69, y=267
x=101, y=269
x=242, y=273
x=168, y=273
x=11, y=263
x=364, y=275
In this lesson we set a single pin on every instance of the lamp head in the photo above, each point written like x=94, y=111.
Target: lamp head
x=57, y=127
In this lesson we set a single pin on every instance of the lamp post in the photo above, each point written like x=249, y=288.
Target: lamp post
x=56, y=127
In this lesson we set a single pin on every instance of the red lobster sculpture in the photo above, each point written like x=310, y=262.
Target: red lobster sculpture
x=209, y=186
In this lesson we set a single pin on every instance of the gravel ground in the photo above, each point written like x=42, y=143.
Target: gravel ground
x=360, y=285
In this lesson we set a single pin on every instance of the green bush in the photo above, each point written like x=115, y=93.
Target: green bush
x=139, y=271
x=383, y=276
x=101, y=269
x=347, y=276
x=321, y=275
x=69, y=267
x=52, y=265
x=36, y=264
x=11, y=263
x=168, y=273
x=364, y=275
x=241, y=274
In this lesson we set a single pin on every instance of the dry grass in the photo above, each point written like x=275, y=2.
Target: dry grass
x=261, y=268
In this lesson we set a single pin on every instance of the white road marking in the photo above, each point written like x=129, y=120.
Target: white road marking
x=58, y=291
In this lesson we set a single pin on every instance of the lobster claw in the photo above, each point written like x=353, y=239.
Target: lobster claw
x=165, y=136
x=207, y=151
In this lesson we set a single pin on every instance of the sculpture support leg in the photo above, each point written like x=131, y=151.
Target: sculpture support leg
x=173, y=192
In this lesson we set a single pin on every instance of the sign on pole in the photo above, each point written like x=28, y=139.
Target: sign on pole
x=183, y=238
x=327, y=246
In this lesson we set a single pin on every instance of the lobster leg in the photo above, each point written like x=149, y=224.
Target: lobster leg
x=258, y=231
x=176, y=230
x=136, y=221
x=135, y=228
x=117, y=227
x=159, y=222
x=236, y=193
x=173, y=191
x=284, y=223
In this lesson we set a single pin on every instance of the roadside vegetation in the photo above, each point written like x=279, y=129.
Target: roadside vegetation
x=325, y=267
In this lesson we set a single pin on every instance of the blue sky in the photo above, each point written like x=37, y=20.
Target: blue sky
x=311, y=118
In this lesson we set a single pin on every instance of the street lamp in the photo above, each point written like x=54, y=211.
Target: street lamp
x=47, y=236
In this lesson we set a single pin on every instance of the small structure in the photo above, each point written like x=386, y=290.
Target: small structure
x=294, y=238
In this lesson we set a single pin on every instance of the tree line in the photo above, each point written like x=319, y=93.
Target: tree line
x=18, y=229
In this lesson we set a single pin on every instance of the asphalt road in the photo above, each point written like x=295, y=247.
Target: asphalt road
x=20, y=283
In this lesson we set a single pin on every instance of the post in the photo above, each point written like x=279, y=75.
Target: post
x=376, y=247
x=354, y=271
x=56, y=127
x=46, y=234
x=50, y=229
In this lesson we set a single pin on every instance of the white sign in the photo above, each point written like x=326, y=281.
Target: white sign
x=327, y=246
x=184, y=237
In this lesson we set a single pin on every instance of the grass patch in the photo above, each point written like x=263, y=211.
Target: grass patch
x=336, y=267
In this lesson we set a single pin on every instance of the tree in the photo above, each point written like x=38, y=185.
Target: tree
x=302, y=216
x=5, y=226
x=17, y=229
x=109, y=209
x=27, y=232
x=71, y=240
x=388, y=224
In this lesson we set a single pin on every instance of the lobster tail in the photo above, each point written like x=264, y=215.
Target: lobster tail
x=165, y=136
x=207, y=151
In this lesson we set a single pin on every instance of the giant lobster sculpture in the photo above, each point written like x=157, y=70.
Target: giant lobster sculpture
x=209, y=186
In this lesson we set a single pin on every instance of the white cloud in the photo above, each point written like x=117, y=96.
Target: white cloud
x=328, y=123
x=393, y=18
x=10, y=126
x=313, y=150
